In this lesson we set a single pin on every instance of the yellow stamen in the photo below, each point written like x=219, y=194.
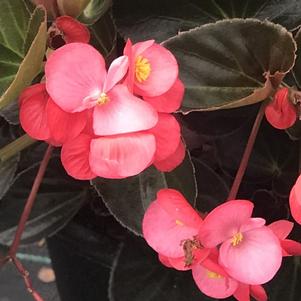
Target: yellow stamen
x=103, y=99
x=179, y=223
x=143, y=69
x=213, y=275
x=237, y=239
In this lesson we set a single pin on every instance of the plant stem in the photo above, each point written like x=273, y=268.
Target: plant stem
x=30, y=202
x=246, y=155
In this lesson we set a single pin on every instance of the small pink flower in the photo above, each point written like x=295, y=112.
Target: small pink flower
x=42, y=119
x=281, y=113
x=66, y=29
x=169, y=223
x=249, y=251
x=282, y=229
x=77, y=80
x=295, y=201
x=244, y=291
x=153, y=69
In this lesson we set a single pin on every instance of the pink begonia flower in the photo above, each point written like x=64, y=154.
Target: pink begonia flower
x=295, y=201
x=153, y=69
x=170, y=225
x=66, y=29
x=282, y=229
x=40, y=117
x=281, y=113
x=77, y=80
x=244, y=291
x=249, y=251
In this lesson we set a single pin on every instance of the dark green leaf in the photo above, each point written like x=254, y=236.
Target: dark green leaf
x=226, y=64
x=94, y=10
x=127, y=199
x=297, y=68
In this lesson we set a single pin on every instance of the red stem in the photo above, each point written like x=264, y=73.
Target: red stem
x=246, y=156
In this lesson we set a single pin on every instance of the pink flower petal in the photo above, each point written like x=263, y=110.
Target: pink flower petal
x=281, y=228
x=291, y=247
x=128, y=51
x=163, y=74
x=173, y=161
x=140, y=47
x=75, y=158
x=123, y=113
x=252, y=223
x=243, y=292
x=116, y=72
x=64, y=126
x=168, y=134
x=295, y=201
x=258, y=293
x=255, y=260
x=213, y=284
x=168, y=222
x=170, y=101
x=33, y=116
x=74, y=72
x=73, y=30
x=165, y=260
x=224, y=221
x=122, y=156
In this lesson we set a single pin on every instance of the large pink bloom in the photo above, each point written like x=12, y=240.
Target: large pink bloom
x=295, y=201
x=153, y=69
x=42, y=119
x=76, y=79
x=249, y=251
x=169, y=222
x=281, y=113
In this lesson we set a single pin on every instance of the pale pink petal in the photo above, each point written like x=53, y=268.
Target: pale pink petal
x=33, y=116
x=122, y=156
x=73, y=30
x=281, y=228
x=224, y=221
x=291, y=247
x=116, y=72
x=64, y=126
x=75, y=158
x=140, y=47
x=168, y=134
x=173, y=161
x=166, y=224
x=258, y=293
x=255, y=260
x=73, y=73
x=170, y=101
x=165, y=260
x=213, y=284
x=123, y=113
x=252, y=223
x=242, y=293
x=295, y=201
x=163, y=74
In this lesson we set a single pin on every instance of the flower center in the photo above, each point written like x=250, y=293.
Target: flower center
x=103, y=99
x=213, y=275
x=143, y=69
x=237, y=239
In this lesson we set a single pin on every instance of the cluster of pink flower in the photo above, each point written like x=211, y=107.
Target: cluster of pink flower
x=110, y=123
x=229, y=252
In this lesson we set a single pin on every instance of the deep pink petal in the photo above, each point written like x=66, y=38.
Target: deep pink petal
x=122, y=156
x=212, y=284
x=116, y=72
x=123, y=113
x=295, y=201
x=128, y=51
x=170, y=101
x=291, y=247
x=168, y=134
x=73, y=30
x=282, y=228
x=75, y=158
x=166, y=224
x=64, y=126
x=224, y=221
x=252, y=223
x=165, y=260
x=163, y=74
x=140, y=47
x=258, y=293
x=73, y=73
x=243, y=292
x=33, y=116
x=281, y=113
x=255, y=260
x=173, y=161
